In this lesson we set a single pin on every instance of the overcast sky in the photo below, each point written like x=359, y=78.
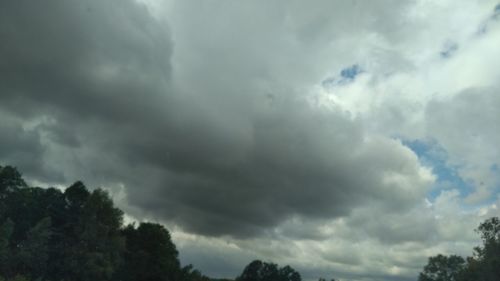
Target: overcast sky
x=349, y=139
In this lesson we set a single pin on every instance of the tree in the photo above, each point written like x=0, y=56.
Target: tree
x=149, y=255
x=252, y=272
x=443, y=268
x=10, y=179
x=486, y=261
x=262, y=271
x=484, y=265
x=85, y=241
x=6, y=229
x=490, y=230
x=76, y=196
x=32, y=254
x=288, y=274
x=92, y=243
x=188, y=273
x=78, y=235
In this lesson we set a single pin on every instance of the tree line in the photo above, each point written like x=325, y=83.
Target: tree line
x=78, y=235
x=483, y=265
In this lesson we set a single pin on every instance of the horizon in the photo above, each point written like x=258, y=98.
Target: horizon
x=350, y=140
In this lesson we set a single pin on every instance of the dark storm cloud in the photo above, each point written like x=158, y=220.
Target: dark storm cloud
x=75, y=68
x=19, y=145
x=96, y=78
x=22, y=147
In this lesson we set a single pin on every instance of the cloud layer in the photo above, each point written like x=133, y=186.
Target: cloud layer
x=262, y=123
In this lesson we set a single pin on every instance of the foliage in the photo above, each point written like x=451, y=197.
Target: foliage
x=263, y=271
x=150, y=254
x=78, y=235
x=6, y=229
x=10, y=179
x=443, y=268
x=191, y=274
x=484, y=265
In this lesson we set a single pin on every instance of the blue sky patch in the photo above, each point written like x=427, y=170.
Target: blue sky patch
x=351, y=72
x=433, y=155
x=346, y=75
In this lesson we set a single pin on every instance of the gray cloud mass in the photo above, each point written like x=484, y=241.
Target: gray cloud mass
x=93, y=85
x=228, y=121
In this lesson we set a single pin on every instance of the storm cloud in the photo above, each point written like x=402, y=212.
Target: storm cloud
x=231, y=122
x=96, y=77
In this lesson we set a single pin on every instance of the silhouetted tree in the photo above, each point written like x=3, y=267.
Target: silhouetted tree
x=150, y=254
x=31, y=255
x=262, y=271
x=323, y=279
x=188, y=273
x=443, y=268
x=288, y=274
x=6, y=229
x=484, y=265
x=78, y=235
x=10, y=179
x=92, y=239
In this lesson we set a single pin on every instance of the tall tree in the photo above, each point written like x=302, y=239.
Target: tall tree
x=484, y=265
x=78, y=235
x=150, y=254
x=287, y=273
x=10, y=179
x=443, y=268
x=488, y=256
x=32, y=254
x=92, y=243
x=188, y=273
x=6, y=229
x=263, y=271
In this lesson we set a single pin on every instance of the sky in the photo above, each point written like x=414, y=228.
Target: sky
x=348, y=139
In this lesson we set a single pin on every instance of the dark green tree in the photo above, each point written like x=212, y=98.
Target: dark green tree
x=287, y=273
x=93, y=243
x=10, y=179
x=78, y=235
x=486, y=262
x=31, y=255
x=443, y=268
x=263, y=271
x=188, y=273
x=252, y=272
x=484, y=265
x=150, y=254
x=6, y=229
x=76, y=196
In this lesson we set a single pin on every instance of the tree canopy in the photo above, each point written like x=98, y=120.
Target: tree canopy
x=484, y=265
x=78, y=235
x=263, y=271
